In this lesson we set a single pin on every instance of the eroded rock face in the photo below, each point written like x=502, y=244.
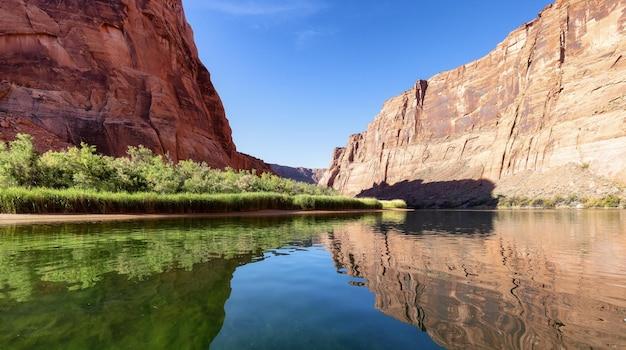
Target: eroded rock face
x=551, y=95
x=110, y=73
x=311, y=176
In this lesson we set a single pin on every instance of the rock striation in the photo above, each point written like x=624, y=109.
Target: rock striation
x=551, y=96
x=112, y=73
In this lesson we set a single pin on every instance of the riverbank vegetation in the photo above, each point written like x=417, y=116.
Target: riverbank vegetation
x=48, y=201
x=79, y=180
x=140, y=171
x=573, y=201
x=394, y=204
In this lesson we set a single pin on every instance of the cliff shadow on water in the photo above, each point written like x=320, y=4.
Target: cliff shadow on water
x=468, y=223
x=466, y=193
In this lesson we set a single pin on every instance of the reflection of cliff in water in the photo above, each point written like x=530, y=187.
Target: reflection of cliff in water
x=539, y=280
x=439, y=221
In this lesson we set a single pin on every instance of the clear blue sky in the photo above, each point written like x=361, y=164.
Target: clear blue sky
x=297, y=77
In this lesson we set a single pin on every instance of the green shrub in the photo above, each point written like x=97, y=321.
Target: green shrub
x=537, y=203
x=573, y=198
x=610, y=201
x=513, y=202
x=18, y=162
x=140, y=171
x=394, y=204
x=54, y=171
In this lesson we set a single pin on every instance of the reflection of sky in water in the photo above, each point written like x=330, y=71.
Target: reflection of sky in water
x=319, y=309
x=462, y=279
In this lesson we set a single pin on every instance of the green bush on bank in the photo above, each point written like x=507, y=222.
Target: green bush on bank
x=17, y=200
x=140, y=171
x=79, y=180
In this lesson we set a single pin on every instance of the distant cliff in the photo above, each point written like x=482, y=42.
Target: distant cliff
x=110, y=73
x=542, y=114
x=307, y=175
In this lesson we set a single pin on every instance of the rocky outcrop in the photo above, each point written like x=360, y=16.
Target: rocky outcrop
x=550, y=96
x=110, y=73
x=311, y=176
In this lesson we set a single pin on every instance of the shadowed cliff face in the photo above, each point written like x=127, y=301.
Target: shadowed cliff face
x=496, y=280
x=549, y=96
x=441, y=194
x=113, y=74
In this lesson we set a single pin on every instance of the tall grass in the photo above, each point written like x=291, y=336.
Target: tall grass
x=17, y=200
x=394, y=204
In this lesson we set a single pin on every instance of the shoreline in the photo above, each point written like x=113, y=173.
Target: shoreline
x=28, y=219
x=33, y=219
x=522, y=209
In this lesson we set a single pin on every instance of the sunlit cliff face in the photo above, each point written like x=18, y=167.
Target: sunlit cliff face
x=113, y=74
x=548, y=96
x=502, y=281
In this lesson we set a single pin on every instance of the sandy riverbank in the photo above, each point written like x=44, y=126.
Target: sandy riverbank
x=13, y=219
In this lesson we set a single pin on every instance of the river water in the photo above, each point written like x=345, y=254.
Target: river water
x=417, y=280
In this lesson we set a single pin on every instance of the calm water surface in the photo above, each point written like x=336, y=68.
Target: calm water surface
x=424, y=280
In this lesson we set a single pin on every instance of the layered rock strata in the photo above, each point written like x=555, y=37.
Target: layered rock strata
x=111, y=73
x=551, y=96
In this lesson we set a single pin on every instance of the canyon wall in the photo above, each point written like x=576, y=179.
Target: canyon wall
x=542, y=114
x=308, y=175
x=112, y=73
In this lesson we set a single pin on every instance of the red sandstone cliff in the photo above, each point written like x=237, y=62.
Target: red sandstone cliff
x=545, y=112
x=110, y=73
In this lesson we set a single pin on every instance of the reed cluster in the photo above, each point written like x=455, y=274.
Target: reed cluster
x=394, y=204
x=54, y=201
